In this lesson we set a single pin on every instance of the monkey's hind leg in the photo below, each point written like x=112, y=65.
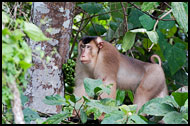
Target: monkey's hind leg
x=152, y=85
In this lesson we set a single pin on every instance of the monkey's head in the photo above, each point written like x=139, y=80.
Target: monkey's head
x=88, y=49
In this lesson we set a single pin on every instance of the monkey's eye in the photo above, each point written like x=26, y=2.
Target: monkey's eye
x=88, y=47
x=82, y=46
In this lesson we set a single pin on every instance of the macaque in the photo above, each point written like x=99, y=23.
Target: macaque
x=98, y=59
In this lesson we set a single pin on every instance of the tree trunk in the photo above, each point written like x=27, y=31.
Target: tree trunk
x=46, y=77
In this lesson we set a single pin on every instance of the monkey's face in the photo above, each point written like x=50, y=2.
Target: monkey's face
x=88, y=52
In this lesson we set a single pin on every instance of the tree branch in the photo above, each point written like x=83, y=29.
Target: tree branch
x=157, y=24
x=149, y=14
x=16, y=104
x=161, y=18
x=125, y=18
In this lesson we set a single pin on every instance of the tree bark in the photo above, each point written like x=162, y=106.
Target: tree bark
x=46, y=78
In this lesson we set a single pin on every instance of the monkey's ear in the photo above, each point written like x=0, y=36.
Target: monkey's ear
x=99, y=42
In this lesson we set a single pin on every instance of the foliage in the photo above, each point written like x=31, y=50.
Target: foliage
x=16, y=55
x=173, y=108
x=169, y=108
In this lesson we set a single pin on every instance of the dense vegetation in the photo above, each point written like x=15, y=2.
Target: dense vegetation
x=140, y=29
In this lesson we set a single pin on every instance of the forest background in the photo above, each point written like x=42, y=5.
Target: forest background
x=137, y=29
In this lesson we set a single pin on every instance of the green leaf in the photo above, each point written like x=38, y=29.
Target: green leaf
x=176, y=57
x=158, y=109
x=146, y=6
x=5, y=36
x=166, y=24
x=130, y=95
x=180, y=15
x=162, y=41
x=90, y=85
x=25, y=65
x=96, y=30
x=5, y=18
x=85, y=99
x=30, y=115
x=128, y=40
x=54, y=100
x=155, y=100
x=186, y=104
x=173, y=118
x=134, y=17
x=116, y=15
x=115, y=117
x=178, y=40
x=97, y=90
x=18, y=35
x=128, y=109
x=180, y=77
x=147, y=22
x=91, y=7
x=7, y=50
x=103, y=16
x=95, y=111
x=55, y=119
x=141, y=50
x=169, y=32
x=120, y=96
x=180, y=97
x=103, y=89
x=108, y=102
x=104, y=105
x=153, y=36
x=73, y=98
x=114, y=25
x=170, y=101
x=184, y=110
x=34, y=32
x=186, y=7
x=135, y=119
x=23, y=98
x=83, y=116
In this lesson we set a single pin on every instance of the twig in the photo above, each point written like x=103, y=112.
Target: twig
x=157, y=24
x=81, y=105
x=131, y=53
x=21, y=12
x=150, y=47
x=15, y=10
x=75, y=39
x=167, y=4
x=41, y=114
x=161, y=18
x=77, y=112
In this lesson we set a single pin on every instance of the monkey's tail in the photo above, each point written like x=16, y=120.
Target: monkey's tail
x=153, y=61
